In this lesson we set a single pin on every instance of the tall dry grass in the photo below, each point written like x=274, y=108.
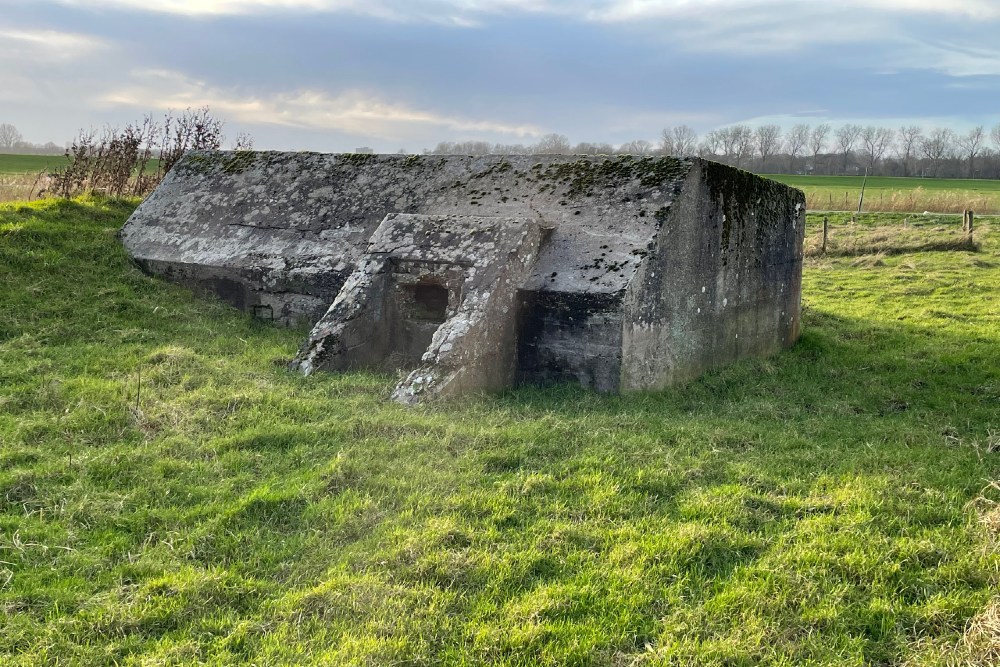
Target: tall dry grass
x=873, y=243
x=24, y=187
x=903, y=201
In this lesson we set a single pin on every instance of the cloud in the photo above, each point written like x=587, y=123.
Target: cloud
x=600, y=10
x=634, y=10
x=216, y=7
x=352, y=112
x=458, y=12
x=698, y=26
x=958, y=60
x=46, y=45
x=32, y=59
x=906, y=30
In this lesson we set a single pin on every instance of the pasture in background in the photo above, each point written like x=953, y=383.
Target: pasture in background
x=901, y=195
x=25, y=177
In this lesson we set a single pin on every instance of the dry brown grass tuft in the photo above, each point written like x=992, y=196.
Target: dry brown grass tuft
x=23, y=187
x=871, y=245
x=916, y=200
x=982, y=637
x=981, y=641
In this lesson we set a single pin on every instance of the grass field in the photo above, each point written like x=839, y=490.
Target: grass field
x=23, y=176
x=171, y=495
x=938, y=195
x=29, y=164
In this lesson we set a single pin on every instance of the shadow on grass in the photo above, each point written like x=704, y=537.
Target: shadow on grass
x=964, y=244
x=909, y=400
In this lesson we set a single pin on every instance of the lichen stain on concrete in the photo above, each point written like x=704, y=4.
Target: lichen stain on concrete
x=475, y=273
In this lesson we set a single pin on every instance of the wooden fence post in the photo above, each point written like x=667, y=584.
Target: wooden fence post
x=826, y=228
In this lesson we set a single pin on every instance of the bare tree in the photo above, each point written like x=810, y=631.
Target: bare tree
x=682, y=140
x=711, y=145
x=910, y=138
x=465, y=148
x=714, y=143
x=637, y=147
x=9, y=136
x=795, y=143
x=875, y=141
x=743, y=143
x=587, y=148
x=847, y=136
x=728, y=138
x=474, y=148
x=767, y=139
x=995, y=135
x=938, y=145
x=666, y=146
x=552, y=144
x=442, y=148
x=817, y=141
x=511, y=149
x=972, y=145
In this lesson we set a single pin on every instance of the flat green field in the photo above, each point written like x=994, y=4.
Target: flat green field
x=937, y=195
x=879, y=183
x=33, y=164
x=171, y=495
x=29, y=164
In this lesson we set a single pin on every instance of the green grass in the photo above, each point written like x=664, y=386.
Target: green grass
x=884, y=183
x=169, y=494
x=872, y=235
x=942, y=195
x=29, y=164
x=33, y=164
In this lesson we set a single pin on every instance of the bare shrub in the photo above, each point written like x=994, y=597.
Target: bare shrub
x=192, y=130
x=132, y=160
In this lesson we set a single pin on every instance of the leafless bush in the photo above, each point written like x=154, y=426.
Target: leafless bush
x=192, y=130
x=75, y=176
x=132, y=160
x=243, y=142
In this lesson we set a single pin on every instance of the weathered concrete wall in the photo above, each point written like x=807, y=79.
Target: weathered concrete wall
x=651, y=269
x=281, y=232
x=723, y=283
x=435, y=293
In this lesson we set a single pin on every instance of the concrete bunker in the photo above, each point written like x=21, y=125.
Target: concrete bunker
x=476, y=273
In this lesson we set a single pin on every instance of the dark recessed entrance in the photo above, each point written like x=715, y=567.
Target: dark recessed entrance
x=429, y=302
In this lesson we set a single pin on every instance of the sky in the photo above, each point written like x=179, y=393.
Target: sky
x=334, y=75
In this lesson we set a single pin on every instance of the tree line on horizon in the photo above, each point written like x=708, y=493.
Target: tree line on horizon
x=11, y=141
x=823, y=149
x=804, y=149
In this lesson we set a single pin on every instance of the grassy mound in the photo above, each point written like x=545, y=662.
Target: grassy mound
x=169, y=494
